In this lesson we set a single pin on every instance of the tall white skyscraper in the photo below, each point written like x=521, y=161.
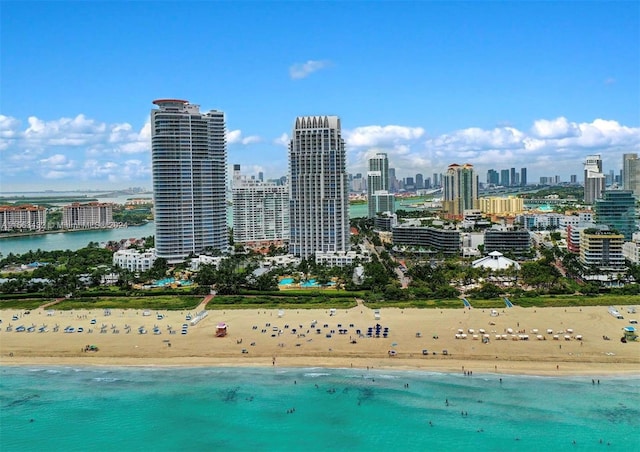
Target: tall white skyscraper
x=594, y=179
x=189, y=159
x=318, y=187
x=260, y=212
x=378, y=197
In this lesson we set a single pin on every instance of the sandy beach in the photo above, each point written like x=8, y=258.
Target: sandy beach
x=540, y=341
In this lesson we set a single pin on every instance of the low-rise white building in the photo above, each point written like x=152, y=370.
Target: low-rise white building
x=342, y=258
x=281, y=260
x=135, y=260
x=631, y=251
x=197, y=262
x=495, y=261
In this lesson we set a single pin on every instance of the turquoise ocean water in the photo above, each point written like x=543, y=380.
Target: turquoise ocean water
x=91, y=408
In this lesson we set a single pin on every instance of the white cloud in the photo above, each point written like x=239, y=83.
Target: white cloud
x=71, y=150
x=302, y=70
x=8, y=127
x=381, y=135
x=555, y=146
x=94, y=153
x=555, y=128
x=77, y=130
x=235, y=137
x=56, y=161
x=282, y=140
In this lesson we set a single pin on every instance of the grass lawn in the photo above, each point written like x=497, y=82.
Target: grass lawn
x=306, y=300
x=27, y=304
x=167, y=302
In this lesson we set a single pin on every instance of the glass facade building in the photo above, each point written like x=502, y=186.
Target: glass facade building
x=617, y=209
x=189, y=161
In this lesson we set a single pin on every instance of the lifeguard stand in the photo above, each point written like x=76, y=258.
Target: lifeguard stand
x=629, y=334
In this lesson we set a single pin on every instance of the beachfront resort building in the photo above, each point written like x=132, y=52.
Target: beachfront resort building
x=601, y=249
x=318, y=187
x=516, y=242
x=495, y=261
x=594, y=179
x=379, y=197
x=460, y=190
x=189, y=160
x=260, y=212
x=135, y=260
x=23, y=218
x=343, y=258
x=445, y=241
x=87, y=216
x=617, y=209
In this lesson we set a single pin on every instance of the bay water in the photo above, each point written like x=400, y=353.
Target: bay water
x=149, y=408
x=79, y=239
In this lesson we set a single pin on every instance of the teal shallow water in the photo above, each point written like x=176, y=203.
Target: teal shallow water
x=250, y=408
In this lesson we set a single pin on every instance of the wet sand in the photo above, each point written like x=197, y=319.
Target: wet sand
x=416, y=337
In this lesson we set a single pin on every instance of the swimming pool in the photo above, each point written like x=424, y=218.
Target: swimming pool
x=308, y=283
x=168, y=281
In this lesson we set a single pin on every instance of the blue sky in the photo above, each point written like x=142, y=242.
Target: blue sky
x=495, y=84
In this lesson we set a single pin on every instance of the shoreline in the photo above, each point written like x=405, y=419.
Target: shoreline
x=453, y=366
x=14, y=235
x=517, y=341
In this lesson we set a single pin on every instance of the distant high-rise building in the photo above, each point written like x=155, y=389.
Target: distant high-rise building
x=574, y=179
x=493, y=178
x=460, y=190
x=393, y=182
x=419, y=181
x=631, y=173
x=436, y=180
x=24, y=217
x=593, y=179
x=358, y=184
x=504, y=178
x=513, y=177
x=523, y=177
x=261, y=176
x=189, y=161
x=260, y=211
x=617, y=209
x=409, y=184
x=378, y=197
x=89, y=215
x=319, y=193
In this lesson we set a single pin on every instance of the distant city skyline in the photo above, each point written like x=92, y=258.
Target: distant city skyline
x=437, y=83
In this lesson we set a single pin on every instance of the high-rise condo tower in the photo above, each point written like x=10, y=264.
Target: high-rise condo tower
x=594, y=180
x=189, y=160
x=378, y=197
x=318, y=187
x=460, y=190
